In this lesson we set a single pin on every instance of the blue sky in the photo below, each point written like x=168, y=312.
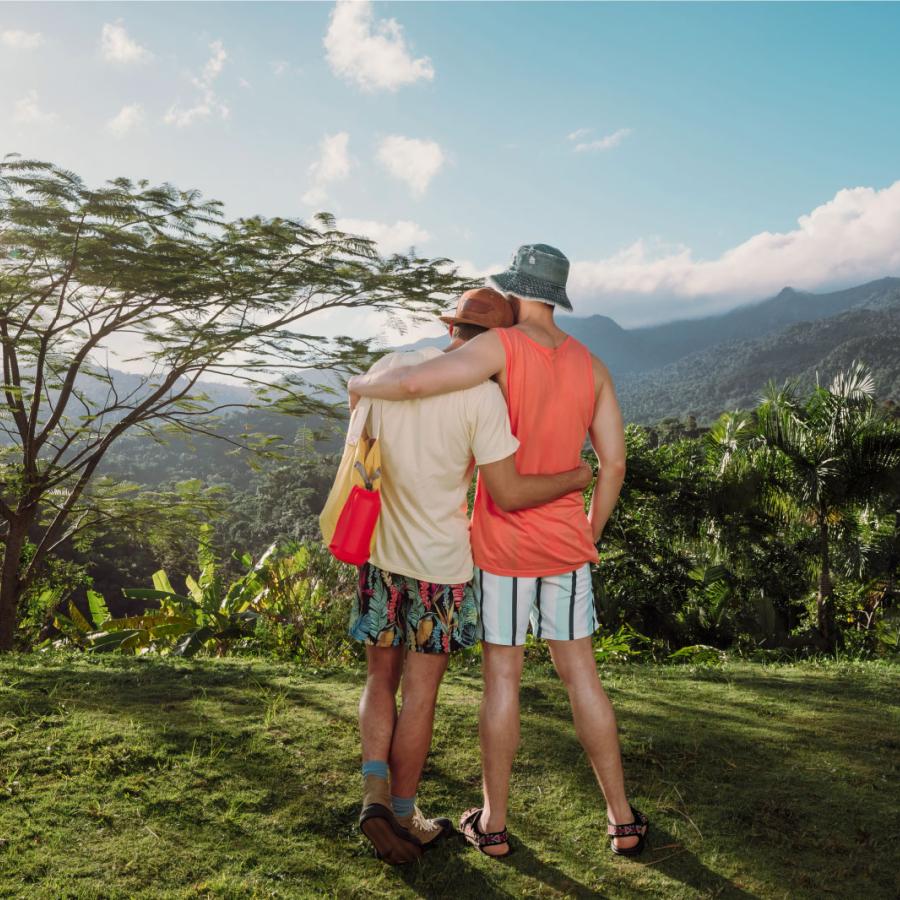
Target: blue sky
x=686, y=157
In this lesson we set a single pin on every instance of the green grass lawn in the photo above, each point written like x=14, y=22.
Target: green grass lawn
x=235, y=778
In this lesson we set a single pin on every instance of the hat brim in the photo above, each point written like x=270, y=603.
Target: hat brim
x=530, y=288
x=457, y=320
x=454, y=320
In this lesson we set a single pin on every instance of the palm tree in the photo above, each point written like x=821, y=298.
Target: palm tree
x=830, y=455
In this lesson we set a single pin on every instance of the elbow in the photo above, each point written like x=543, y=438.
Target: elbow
x=410, y=387
x=613, y=468
x=507, y=501
x=508, y=504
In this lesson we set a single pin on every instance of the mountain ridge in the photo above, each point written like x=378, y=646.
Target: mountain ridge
x=633, y=350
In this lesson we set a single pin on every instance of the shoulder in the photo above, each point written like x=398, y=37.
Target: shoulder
x=404, y=358
x=602, y=378
x=491, y=340
x=485, y=398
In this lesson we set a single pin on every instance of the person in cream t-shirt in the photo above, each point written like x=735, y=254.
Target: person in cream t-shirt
x=416, y=603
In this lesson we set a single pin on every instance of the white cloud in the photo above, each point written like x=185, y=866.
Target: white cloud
x=118, y=47
x=21, y=40
x=396, y=238
x=411, y=160
x=208, y=103
x=604, y=143
x=373, y=55
x=27, y=111
x=578, y=134
x=853, y=238
x=128, y=118
x=279, y=67
x=333, y=164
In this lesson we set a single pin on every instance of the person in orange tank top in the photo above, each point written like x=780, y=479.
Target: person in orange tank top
x=533, y=566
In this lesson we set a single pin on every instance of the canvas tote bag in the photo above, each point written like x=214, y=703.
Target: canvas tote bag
x=351, y=511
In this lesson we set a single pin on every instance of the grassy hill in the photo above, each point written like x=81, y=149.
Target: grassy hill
x=237, y=778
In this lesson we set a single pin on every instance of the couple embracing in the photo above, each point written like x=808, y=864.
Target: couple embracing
x=515, y=396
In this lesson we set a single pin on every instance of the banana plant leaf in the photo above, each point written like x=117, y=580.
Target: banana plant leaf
x=78, y=619
x=98, y=608
x=106, y=641
x=147, y=622
x=193, y=642
x=154, y=594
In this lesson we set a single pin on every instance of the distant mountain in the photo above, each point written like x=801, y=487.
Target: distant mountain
x=635, y=350
x=716, y=363
x=670, y=341
x=733, y=374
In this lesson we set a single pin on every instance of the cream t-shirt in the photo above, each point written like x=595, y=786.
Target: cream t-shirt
x=428, y=450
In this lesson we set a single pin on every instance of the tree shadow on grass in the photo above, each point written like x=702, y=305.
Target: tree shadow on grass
x=673, y=859
x=235, y=765
x=773, y=811
x=754, y=783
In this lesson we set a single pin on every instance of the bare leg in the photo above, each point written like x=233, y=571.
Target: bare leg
x=499, y=731
x=422, y=676
x=377, y=706
x=595, y=725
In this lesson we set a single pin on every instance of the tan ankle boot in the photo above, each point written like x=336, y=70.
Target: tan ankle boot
x=428, y=832
x=392, y=842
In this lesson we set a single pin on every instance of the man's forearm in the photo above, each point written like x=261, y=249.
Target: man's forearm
x=387, y=384
x=536, y=490
x=603, y=501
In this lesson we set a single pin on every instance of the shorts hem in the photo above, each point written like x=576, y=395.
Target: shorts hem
x=577, y=637
x=370, y=642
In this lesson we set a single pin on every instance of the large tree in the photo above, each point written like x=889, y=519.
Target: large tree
x=159, y=274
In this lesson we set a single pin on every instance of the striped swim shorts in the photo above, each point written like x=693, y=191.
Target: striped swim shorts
x=559, y=607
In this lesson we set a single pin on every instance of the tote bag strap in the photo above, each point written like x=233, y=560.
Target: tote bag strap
x=358, y=421
x=365, y=411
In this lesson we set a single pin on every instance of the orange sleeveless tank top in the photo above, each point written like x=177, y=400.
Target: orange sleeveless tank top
x=550, y=394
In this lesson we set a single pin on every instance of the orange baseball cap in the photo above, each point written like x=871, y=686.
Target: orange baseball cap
x=482, y=306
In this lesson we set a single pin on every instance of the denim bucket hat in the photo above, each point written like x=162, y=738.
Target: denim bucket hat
x=537, y=272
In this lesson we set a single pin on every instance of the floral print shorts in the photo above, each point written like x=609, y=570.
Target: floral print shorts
x=391, y=610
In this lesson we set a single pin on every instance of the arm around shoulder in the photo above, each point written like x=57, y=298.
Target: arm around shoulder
x=474, y=362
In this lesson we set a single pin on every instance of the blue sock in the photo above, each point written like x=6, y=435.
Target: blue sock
x=403, y=806
x=375, y=767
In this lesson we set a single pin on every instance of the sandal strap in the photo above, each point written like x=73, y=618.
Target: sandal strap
x=469, y=824
x=637, y=827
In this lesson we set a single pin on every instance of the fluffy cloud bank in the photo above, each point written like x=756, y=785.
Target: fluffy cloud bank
x=333, y=164
x=28, y=111
x=207, y=102
x=411, y=160
x=16, y=39
x=118, y=47
x=396, y=238
x=852, y=238
x=126, y=120
x=372, y=55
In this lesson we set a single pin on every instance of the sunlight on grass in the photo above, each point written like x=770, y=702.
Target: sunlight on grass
x=240, y=778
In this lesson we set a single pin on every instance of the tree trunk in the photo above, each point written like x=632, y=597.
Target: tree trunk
x=824, y=600
x=10, y=585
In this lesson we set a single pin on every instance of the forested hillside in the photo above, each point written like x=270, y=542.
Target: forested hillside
x=733, y=375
